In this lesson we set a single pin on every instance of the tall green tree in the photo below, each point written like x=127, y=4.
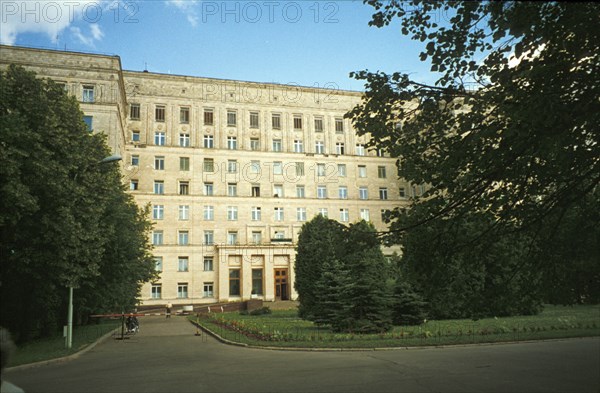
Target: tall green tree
x=511, y=127
x=58, y=207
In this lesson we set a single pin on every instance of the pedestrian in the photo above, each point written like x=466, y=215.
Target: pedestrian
x=169, y=306
x=6, y=349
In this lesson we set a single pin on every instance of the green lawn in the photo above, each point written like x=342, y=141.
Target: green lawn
x=54, y=347
x=285, y=329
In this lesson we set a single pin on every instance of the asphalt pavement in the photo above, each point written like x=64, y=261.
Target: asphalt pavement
x=167, y=356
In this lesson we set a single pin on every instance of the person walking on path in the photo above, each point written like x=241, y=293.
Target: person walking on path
x=169, y=306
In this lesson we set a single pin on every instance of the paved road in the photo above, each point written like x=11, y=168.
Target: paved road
x=166, y=357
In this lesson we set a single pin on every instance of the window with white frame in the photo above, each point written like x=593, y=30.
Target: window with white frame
x=184, y=163
x=159, y=163
x=255, y=190
x=159, y=113
x=184, y=188
x=157, y=238
x=277, y=168
x=209, y=189
x=344, y=216
x=323, y=212
x=278, y=213
x=159, y=138
x=278, y=190
x=362, y=171
x=159, y=187
x=255, y=166
x=279, y=234
x=133, y=184
x=183, y=264
x=321, y=192
x=321, y=170
x=277, y=146
x=208, y=213
x=208, y=165
x=232, y=213
x=135, y=160
x=184, y=212
x=156, y=291
x=364, y=214
x=343, y=192
x=298, y=146
x=183, y=238
x=341, y=170
x=360, y=149
x=232, y=237
x=319, y=147
x=383, y=193
x=231, y=189
x=232, y=166
x=158, y=212
x=255, y=213
x=135, y=136
x=184, y=139
x=208, y=264
x=208, y=142
x=208, y=289
x=339, y=148
x=184, y=115
x=231, y=118
x=209, y=238
x=182, y=290
x=232, y=143
x=363, y=193
x=256, y=237
x=88, y=93
x=300, y=193
x=254, y=144
x=301, y=213
x=381, y=172
x=299, y=169
x=158, y=264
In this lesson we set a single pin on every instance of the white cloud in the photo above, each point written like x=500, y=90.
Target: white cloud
x=97, y=33
x=49, y=17
x=188, y=7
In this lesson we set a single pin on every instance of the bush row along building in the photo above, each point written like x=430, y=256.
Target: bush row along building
x=230, y=169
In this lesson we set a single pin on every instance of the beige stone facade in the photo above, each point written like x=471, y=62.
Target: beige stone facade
x=230, y=169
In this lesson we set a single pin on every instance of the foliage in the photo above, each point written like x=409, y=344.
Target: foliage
x=64, y=219
x=409, y=306
x=507, y=142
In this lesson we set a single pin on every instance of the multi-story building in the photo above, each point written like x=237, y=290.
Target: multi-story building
x=230, y=169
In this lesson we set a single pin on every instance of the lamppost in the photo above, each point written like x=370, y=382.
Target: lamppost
x=106, y=160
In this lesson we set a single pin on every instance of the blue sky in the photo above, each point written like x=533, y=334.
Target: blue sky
x=309, y=43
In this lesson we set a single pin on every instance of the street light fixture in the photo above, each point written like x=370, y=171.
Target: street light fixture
x=106, y=160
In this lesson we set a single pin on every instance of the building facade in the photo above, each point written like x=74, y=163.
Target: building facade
x=230, y=170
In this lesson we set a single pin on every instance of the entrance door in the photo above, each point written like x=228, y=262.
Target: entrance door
x=281, y=284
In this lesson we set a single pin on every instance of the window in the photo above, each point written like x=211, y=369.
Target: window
x=182, y=290
x=297, y=122
x=402, y=192
x=298, y=146
x=208, y=288
x=184, y=212
x=383, y=193
x=134, y=111
x=234, y=282
x=342, y=170
x=277, y=168
x=383, y=215
x=184, y=163
x=159, y=163
x=88, y=93
x=159, y=113
x=231, y=189
x=232, y=143
x=209, y=238
x=208, y=142
x=319, y=147
x=256, y=237
x=232, y=213
x=360, y=149
x=253, y=119
x=300, y=192
x=183, y=265
x=159, y=138
x=184, y=140
x=184, y=188
x=158, y=212
x=363, y=193
x=184, y=115
x=343, y=192
x=208, y=189
x=301, y=214
x=135, y=136
x=339, y=148
x=208, y=264
x=323, y=212
x=231, y=166
x=278, y=190
x=135, y=160
x=89, y=120
x=133, y=184
x=158, y=264
x=277, y=145
x=362, y=171
x=339, y=125
x=319, y=124
x=257, y=281
x=157, y=238
x=208, y=165
x=254, y=144
x=159, y=187
x=276, y=121
x=278, y=213
x=279, y=235
x=232, y=238
x=255, y=190
x=299, y=169
x=209, y=213
x=183, y=238
x=344, y=215
x=321, y=192
x=156, y=291
x=231, y=118
x=255, y=213
x=364, y=214
x=254, y=166
x=321, y=170
x=381, y=173
x=380, y=153
x=208, y=117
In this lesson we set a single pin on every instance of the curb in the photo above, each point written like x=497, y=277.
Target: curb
x=64, y=358
x=399, y=348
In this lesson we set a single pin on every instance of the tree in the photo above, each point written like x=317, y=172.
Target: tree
x=60, y=212
x=510, y=129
